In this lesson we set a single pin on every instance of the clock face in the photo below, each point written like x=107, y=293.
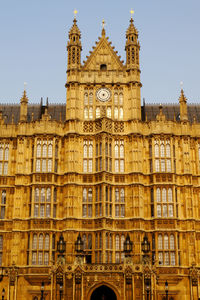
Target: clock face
x=103, y=94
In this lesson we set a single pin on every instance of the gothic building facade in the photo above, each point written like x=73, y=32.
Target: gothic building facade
x=100, y=198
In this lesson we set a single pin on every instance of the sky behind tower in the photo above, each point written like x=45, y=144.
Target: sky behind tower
x=34, y=37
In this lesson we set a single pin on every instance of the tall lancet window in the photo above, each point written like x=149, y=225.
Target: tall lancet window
x=87, y=156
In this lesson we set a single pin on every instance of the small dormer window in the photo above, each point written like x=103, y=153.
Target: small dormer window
x=103, y=67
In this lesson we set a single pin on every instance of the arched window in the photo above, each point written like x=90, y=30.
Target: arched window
x=168, y=154
x=84, y=195
x=1, y=153
x=117, y=242
x=116, y=151
x=169, y=195
x=162, y=150
x=6, y=153
x=166, y=242
x=36, y=195
x=90, y=98
x=42, y=195
x=90, y=195
x=44, y=150
x=34, y=244
x=122, y=195
x=121, y=113
x=90, y=112
x=122, y=242
x=158, y=195
x=116, y=195
x=40, y=242
x=85, y=113
x=172, y=244
x=38, y=149
x=121, y=150
x=48, y=194
x=160, y=244
x=50, y=150
x=90, y=150
x=49, y=165
x=86, y=98
x=120, y=99
x=115, y=98
x=103, y=67
x=98, y=112
x=116, y=113
x=46, y=243
x=164, y=195
x=109, y=112
x=156, y=149
x=85, y=150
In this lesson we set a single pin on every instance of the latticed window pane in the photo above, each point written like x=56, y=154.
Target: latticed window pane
x=6, y=153
x=1, y=153
x=34, y=258
x=90, y=165
x=156, y=150
x=116, y=151
x=42, y=211
x=172, y=258
x=117, y=242
x=171, y=211
x=1, y=242
x=166, y=242
x=38, y=153
x=90, y=195
x=170, y=195
x=50, y=150
x=36, y=210
x=90, y=211
x=162, y=150
x=158, y=210
x=117, y=260
x=122, y=195
x=46, y=243
x=160, y=242
x=48, y=195
x=172, y=244
x=162, y=165
x=86, y=98
x=123, y=211
x=85, y=113
x=122, y=242
x=116, y=195
x=42, y=195
x=49, y=165
x=120, y=99
x=84, y=210
x=44, y=150
x=121, y=113
x=116, y=165
x=97, y=112
x=84, y=195
x=34, y=244
x=40, y=241
x=121, y=165
x=90, y=150
x=109, y=112
x=44, y=165
x=168, y=154
x=165, y=211
x=90, y=98
x=169, y=168
x=46, y=258
x=164, y=195
x=38, y=165
x=117, y=210
x=116, y=113
x=85, y=150
x=84, y=165
x=115, y=98
x=5, y=168
x=91, y=113
x=48, y=210
x=121, y=150
x=158, y=195
x=40, y=258
x=157, y=165
x=160, y=258
x=166, y=258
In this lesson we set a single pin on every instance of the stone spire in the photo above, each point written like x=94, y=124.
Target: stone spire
x=23, y=107
x=183, y=107
x=74, y=46
x=132, y=46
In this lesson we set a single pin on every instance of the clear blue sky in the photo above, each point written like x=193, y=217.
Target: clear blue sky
x=34, y=33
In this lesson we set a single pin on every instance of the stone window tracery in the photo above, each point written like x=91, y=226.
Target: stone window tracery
x=87, y=156
x=166, y=249
x=165, y=203
x=87, y=203
x=119, y=203
x=119, y=156
x=3, y=204
x=162, y=152
x=88, y=104
x=4, y=155
x=43, y=202
x=39, y=251
x=44, y=153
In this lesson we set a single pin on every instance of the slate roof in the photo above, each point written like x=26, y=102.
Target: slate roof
x=57, y=112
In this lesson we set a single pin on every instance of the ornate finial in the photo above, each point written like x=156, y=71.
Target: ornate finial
x=75, y=13
x=132, y=13
x=181, y=83
x=25, y=84
x=103, y=24
x=103, y=27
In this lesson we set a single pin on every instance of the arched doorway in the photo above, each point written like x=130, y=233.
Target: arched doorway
x=103, y=293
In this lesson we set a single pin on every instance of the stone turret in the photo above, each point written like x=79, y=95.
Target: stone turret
x=23, y=107
x=183, y=107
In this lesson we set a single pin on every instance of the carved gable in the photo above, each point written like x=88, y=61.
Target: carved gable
x=103, y=54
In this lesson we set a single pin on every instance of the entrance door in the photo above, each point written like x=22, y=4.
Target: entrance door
x=103, y=293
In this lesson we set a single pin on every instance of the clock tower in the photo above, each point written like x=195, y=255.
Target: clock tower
x=103, y=86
